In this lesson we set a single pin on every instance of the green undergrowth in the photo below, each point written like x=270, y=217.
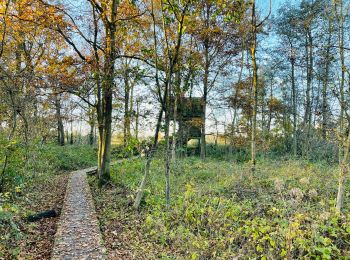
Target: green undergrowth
x=219, y=210
x=34, y=182
x=24, y=163
x=68, y=158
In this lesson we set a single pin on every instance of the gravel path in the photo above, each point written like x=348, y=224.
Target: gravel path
x=78, y=235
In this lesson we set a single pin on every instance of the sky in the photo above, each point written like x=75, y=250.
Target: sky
x=263, y=5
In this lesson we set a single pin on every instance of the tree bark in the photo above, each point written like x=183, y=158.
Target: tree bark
x=294, y=99
x=255, y=89
x=344, y=171
x=173, y=147
x=205, y=86
x=269, y=120
x=71, y=131
x=92, y=126
x=126, y=107
x=60, y=128
x=326, y=81
x=137, y=119
x=167, y=157
x=107, y=91
x=150, y=155
x=205, y=100
x=11, y=135
x=309, y=89
x=342, y=79
x=343, y=152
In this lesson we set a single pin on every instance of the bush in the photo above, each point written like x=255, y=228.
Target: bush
x=132, y=149
x=219, y=211
x=68, y=158
x=25, y=162
x=27, y=168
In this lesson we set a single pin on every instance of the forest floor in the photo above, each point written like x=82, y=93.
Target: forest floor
x=219, y=210
x=36, y=186
x=34, y=240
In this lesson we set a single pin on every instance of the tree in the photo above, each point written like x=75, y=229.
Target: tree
x=287, y=28
x=169, y=13
x=25, y=46
x=343, y=131
x=60, y=128
x=254, y=30
x=215, y=32
x=107, y=18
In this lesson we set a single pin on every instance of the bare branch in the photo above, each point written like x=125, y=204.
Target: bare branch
x=71, y=43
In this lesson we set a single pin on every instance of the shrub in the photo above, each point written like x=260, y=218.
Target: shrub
x=219, y=211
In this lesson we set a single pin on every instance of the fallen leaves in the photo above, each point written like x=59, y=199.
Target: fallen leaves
x=38, y=238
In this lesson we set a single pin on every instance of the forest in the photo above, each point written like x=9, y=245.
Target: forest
x=174, y=129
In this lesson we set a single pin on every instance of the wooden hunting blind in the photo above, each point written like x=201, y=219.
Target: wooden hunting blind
x=189, y=118
x=188, y=108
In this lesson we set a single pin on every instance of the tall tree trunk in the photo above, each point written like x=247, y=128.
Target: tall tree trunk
x=91, y=134
x=294, y=102
x=99, y=104
x=233, y=129
x=100, y=124
x=316, y=100
x=344, y=171
x=263, y=115
x=205, y=86
x=176, y=93
x=269, y=120
x=325, y=83
x=173, y=148
x=92, y=129
x=254, y=90
x=308, y=85
x=311, y=66
x=344, y=144
x=104, y=172
x=235, y=112
x=60, y=128
x=167, y=156
x=126, y=107
x=11, y=135
x=342, y=79
x=91, y=121
x=149, y=155
x=137, y=119
x=308, y=103
x=67, y=133
x=71, y=131
x=204, y=101
x=217, y=134
x=131, y=108
x=107, y=96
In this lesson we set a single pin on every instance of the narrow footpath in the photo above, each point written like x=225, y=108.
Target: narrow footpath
x=78, y=235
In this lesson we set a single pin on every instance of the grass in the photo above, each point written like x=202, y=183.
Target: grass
x=33, y=187
x=219, y=210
